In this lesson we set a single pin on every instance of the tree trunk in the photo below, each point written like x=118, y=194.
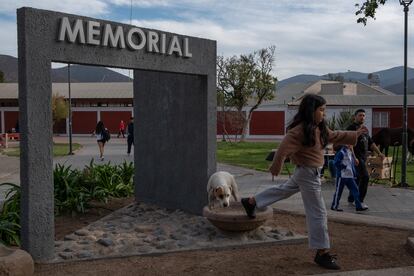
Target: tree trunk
x=223, y=122
x=245, y=126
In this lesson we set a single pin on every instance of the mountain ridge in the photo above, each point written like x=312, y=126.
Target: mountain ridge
x=78, y=73
x=390, y=79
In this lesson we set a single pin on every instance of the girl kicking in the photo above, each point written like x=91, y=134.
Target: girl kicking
x=304, y=144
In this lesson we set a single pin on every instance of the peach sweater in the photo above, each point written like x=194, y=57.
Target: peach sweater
x=291, y=146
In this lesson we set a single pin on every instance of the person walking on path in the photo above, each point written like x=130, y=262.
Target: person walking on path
x=345, y=176
x=100, y=138
x=130, y=135
x=121, y=129
x=304, y=144
x=2, y=141
x=364, y=144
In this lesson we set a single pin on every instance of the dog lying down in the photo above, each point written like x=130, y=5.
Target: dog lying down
x=221, y=189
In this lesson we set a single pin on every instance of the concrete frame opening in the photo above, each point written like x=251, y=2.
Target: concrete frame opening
x=94, y=98
x=174, y=95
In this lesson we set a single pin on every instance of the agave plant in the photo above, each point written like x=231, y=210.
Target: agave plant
x=10, y=216
x=12, y=202
x=74, y=189
x=70, y=195
x=345, y=119
x=9, y=229
x=126, y=171
x=342, y=121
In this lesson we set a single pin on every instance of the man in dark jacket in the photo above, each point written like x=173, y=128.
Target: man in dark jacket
x=361, y=149
x=130, y=131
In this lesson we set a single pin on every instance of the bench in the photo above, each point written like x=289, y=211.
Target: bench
x=12, y=136
x=6, y=137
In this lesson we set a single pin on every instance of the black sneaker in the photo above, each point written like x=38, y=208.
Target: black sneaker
x=250, y=208
x=361, y=209
x=327, y=261
x=337, y=209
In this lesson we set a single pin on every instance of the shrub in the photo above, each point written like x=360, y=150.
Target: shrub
x=69, y=195
x=113, y=181
x=10, y=216
x=73, y=191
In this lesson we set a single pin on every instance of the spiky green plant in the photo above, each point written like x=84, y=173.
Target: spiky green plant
x=10, y=216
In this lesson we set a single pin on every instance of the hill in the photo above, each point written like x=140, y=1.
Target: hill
x=85, y=73
x=399, y=87
x=298, y=79
x=8, y=65
x=78, y=73
x=391, y=79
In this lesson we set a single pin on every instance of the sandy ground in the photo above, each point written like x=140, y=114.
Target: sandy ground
x=358, y=247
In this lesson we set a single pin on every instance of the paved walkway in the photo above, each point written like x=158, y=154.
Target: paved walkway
x=115, y=152
x=383, y=201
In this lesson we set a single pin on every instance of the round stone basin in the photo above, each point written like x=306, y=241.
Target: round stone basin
x=234, y=218
x=15, y=262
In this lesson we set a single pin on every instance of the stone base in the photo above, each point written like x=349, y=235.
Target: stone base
x=234, y=218
x=15, y=262
x=410, y=245
x=144, y=229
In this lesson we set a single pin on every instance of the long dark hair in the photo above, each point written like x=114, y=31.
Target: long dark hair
x=306, y=116
x=99, y=127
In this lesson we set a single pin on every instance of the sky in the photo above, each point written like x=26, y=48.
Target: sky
x=311, y=36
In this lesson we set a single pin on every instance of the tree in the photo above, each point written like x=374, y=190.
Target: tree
x=243, y=80
x=367, y=10
x=336, y=77
x=1, y=77
x=374, y=79
x=263, y=86
x=60, y=108
x=341, y=122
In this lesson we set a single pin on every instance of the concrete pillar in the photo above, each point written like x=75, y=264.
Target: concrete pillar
x=36, y=162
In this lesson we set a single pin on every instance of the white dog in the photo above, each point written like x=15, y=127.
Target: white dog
x=220, y=188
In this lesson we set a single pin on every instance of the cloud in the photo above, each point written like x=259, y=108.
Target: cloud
x=313, y=37
x=88, y=8
x=310, y=37
x=141, y=3
x=9, y=45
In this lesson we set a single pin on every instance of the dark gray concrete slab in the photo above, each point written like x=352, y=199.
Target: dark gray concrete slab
x=172, y=151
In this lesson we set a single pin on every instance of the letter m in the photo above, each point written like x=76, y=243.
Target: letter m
x=71, y=33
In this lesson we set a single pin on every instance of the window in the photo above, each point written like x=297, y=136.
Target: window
x=380, y=119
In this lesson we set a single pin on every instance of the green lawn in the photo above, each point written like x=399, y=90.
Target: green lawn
x=58, y=150
x=247, y=154
x=252, y=155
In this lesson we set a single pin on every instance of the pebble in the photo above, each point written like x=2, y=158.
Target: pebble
x=84, y=254
x=144, y=228
x=141, y=228
x=81, y=232
x=105, y=242
x=66, y=255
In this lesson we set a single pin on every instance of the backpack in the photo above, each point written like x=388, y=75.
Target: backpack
x=106, y=135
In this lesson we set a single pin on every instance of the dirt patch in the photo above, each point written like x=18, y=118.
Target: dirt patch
x=68, y=223
x=358, y=247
